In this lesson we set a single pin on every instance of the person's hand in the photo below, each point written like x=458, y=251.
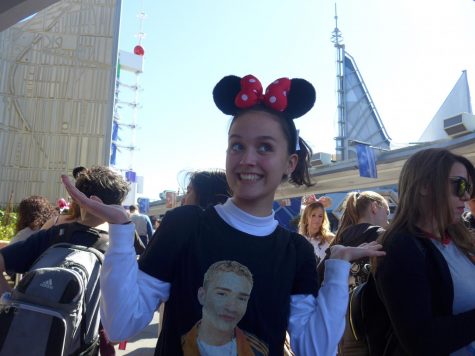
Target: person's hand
x=113, y=214
x=347, y=253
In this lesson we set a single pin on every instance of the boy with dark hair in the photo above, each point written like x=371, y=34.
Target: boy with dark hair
x=90, y=231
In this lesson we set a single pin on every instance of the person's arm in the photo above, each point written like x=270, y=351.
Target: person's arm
x=4, y=286
x=316, y=324
x=20, y=256
x=129, y=296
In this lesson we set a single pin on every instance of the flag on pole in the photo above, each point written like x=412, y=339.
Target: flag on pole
x=113, y=154
x=115, y=131
x=131, y=176
x=144, y=205
x=366, y=161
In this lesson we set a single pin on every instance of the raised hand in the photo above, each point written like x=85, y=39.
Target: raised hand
x=347, y=253
x=113, y=214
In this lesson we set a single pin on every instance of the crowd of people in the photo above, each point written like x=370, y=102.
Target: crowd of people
x=234, y=282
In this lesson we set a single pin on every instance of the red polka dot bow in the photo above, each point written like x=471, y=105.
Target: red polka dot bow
x=251, y=93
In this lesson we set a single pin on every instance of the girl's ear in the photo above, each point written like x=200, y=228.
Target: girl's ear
x=292, y=164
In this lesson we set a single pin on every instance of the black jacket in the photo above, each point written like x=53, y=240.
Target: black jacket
x=415, y=285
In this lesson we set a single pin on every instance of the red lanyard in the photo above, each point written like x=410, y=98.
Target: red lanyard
x=446, y=239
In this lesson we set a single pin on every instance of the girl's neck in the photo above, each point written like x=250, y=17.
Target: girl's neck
x=262, y=209
x=315, y=235
x=429, y=227
x=366, y=220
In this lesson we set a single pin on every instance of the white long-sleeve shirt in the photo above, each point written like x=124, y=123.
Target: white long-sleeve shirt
x=130, y=297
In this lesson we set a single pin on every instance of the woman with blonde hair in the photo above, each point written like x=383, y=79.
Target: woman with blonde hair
x=362, y=209
x=365, y=217
x=315, y=226
x=363, y=221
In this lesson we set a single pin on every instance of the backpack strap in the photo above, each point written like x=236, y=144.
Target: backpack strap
x=65, y=233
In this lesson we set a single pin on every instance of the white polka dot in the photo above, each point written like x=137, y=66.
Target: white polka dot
x=252, y=80
x=272, y=99
x=244, y=97
x=285, y=93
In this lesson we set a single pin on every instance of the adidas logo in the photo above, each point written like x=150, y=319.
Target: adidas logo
x=47, y=284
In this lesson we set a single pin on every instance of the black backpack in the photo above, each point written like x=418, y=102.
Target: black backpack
x=369, y=320
x=353, y=342
x=54, y=309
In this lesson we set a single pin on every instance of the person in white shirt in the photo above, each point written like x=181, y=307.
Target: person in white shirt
x=263, y=151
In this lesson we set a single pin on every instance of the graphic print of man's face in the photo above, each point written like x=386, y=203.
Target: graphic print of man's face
x=224, y=300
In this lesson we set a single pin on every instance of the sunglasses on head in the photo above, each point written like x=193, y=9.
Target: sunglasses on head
x=461, y=186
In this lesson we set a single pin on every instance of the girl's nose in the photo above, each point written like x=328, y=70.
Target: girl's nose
x=466, y=196
x=248, y=158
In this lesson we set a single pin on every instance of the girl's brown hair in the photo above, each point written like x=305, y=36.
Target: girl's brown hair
x=33, y=212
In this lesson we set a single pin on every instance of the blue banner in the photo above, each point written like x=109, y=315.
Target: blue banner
x=115, y=131
x=366, y=161
x=113, y=154
x=131, y=176
x=144, y=205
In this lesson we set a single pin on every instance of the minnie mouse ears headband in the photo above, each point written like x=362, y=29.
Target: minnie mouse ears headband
x=291, y=97
x=324, y=200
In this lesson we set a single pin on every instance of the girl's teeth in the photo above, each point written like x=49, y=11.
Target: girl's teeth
x=249, y=176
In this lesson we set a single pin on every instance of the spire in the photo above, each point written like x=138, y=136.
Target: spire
x=341, y=139
x=138, y=49
x=337, y=37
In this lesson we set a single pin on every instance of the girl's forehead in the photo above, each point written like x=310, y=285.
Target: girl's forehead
x=458, y=169
x=317, y=210
x=256, y=123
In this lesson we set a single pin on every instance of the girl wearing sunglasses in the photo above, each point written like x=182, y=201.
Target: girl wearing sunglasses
x=426, y=280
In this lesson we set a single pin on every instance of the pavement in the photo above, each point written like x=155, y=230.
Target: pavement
x=144, y=343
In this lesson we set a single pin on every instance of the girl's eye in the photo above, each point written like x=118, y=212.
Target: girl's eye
x=235, y=147
x=265, y=147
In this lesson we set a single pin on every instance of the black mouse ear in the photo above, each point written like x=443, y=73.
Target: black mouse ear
x=225, y=92
x=301, y=98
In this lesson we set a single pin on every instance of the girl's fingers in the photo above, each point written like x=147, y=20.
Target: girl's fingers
x=354, y=253
x=113, y=214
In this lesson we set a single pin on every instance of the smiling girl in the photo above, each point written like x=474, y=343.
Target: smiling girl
x=263, y=151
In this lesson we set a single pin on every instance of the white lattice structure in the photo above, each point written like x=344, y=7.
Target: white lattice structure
x=57, y=73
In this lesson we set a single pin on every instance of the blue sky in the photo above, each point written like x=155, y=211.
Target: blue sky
x=410, y=54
